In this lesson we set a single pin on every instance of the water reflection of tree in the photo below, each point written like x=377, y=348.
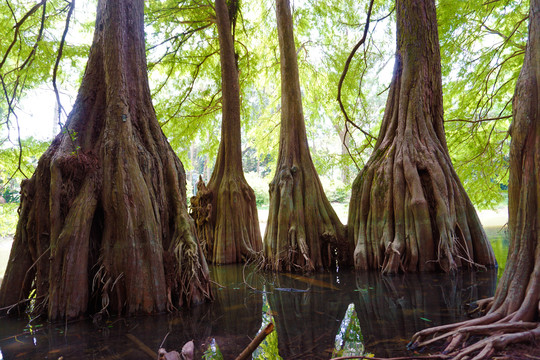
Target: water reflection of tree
x=392, y=308
x=235, y=315
x=232, y=320
x=306, y=321
x=368, y=314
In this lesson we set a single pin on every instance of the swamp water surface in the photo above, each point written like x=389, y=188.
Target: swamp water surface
x=316, y=317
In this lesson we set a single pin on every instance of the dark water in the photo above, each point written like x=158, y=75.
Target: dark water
x=318, y=317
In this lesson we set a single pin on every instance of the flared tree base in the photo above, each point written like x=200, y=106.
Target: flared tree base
x=227, y=221
x=410, y=213
x=303, y=232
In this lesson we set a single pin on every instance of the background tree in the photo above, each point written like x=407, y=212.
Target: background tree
x=233, y=220
x=408, y=209
x=514, y=311
x=303, y=230
x=103, y=220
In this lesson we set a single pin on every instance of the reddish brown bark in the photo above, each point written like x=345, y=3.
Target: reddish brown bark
x=234, y=234
x=303, y=231
x=409, y=211
x=513, y=315
x=104, y=226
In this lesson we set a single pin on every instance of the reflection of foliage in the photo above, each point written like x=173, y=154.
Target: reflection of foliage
x=498, y=237
x=213, y=352
x=268, y=349
x=349, y=340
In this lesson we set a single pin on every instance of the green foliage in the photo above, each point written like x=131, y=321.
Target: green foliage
x=185, y=73
x=212, y=352
x=11, y=171
x=336, y=190
x=259, y=186
x=8, y=219
x=334, y=29
x=482, y=46
x=31, y=32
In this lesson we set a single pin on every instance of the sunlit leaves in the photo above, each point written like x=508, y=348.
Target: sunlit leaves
x=31, y=33
x=482, y=46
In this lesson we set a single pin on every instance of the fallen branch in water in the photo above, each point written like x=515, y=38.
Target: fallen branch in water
x=255, y=342
x=142, y=346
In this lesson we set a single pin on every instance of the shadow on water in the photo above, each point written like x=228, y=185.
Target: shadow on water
x=316, y=317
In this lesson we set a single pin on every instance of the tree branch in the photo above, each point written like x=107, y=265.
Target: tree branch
x=55, y=70
x=346, y=69
x=479, y=120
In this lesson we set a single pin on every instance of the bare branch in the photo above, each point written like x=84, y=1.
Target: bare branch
x=18, y=26
x=346, y=69
x=55, y=70
x=479, y=120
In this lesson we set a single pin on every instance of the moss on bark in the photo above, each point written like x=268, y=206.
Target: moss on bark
x=408, y=210
x=303, y=231
x=104, y=226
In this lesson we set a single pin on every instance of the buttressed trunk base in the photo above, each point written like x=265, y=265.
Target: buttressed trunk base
x=103, y=221
x=409, y=211
x=303, y=231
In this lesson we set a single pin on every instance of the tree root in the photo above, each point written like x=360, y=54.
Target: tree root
x=482, y=306
x=500, y=333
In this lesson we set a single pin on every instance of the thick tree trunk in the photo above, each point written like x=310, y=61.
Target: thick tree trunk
x=234, y=234
x=515, y=308
x=409, y=211
x=303, y=231
x=104, y=226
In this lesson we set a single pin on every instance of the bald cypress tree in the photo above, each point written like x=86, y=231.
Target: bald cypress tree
x=231, y=230
x=408, y=210
x=512, y=316
x=103, y=221
x=303, y=231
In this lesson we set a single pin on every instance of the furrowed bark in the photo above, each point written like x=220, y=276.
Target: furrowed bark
x=104, y=226
x=303, y=231
x=231, y=233
x=408, y=210
x=513, y=314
